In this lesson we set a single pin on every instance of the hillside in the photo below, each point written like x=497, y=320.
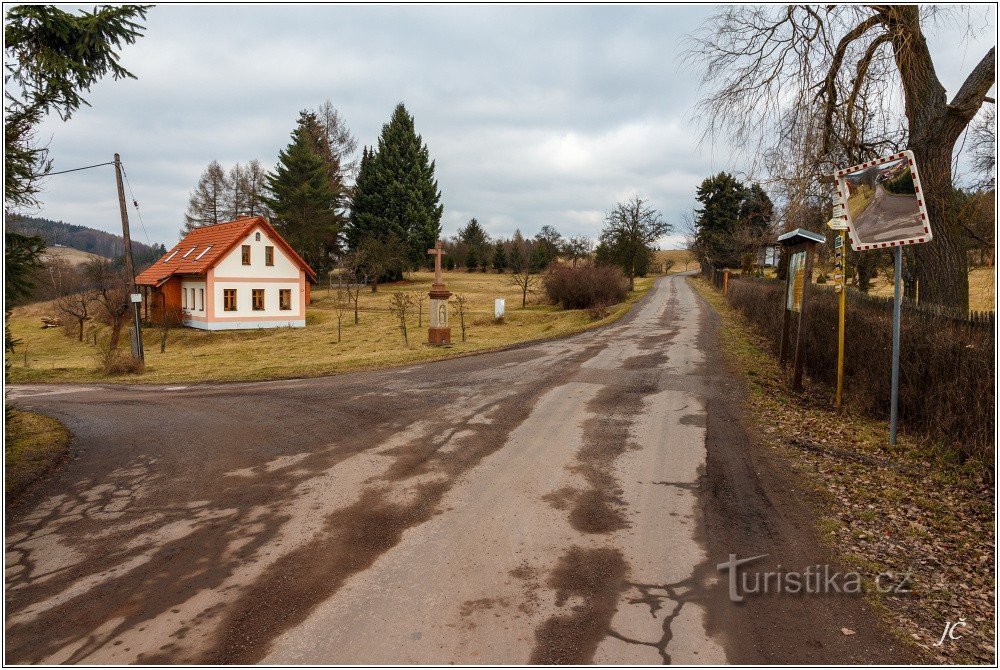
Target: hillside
x=82, y=238
x=68, y=255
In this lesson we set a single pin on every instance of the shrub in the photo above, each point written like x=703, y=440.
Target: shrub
x=947, y=373
x=585, y=286
x=120, y=362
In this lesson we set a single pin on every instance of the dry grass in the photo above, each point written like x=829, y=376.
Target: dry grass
x=33, y=444
x=682, y=258
x=194, y=355
x=982, y=289
x=982, y=286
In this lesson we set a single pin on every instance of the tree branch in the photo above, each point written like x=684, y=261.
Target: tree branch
x=830, y=85
x=972, y=94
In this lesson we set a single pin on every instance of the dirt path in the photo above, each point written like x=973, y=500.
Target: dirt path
x=564, y=502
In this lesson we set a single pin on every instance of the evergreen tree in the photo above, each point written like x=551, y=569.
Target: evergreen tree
x=476, y=241
x=549, y=241
x=396, y=193
x=321, y=143
x=209, y=200
x=499, y=257
x=539, y=257
x=53, y=57
x=472, y=259
x=304, y=205
x=516, y=259
x=716, y=220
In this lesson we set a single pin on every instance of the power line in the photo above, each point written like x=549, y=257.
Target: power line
x=135, y=203
x=87, y=167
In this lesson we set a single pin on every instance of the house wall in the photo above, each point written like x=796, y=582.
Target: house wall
x=230, y=273
x=166, y=298
x=193, y=300
x=232, y=264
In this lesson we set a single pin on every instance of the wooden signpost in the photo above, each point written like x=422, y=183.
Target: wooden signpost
x=800, y=244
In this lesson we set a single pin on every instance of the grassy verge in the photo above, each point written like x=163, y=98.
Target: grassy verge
x=375, y=342
x=33, y=444
x=881, y=509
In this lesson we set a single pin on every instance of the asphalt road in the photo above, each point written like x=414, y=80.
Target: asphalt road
x=562, y=502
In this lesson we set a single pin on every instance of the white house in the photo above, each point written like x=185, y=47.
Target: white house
x=235, y=275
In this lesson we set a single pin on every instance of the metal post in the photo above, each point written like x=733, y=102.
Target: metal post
x=842, y=308
x=896, y=314
x=137, y=351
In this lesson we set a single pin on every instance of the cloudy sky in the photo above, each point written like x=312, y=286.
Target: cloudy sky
x=534, y=115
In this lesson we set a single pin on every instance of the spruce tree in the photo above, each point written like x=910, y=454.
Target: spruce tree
x=396, y=193
x=472, y=259
x=516, y=259
x=717, y=218
x=499, y=257
x=303, y=203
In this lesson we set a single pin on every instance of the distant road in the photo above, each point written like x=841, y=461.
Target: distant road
x=563, y=502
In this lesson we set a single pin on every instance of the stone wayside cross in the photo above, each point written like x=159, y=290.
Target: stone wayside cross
x=439, y=331
x=437, y=252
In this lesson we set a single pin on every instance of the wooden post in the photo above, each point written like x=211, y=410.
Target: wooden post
x=803, y=321
x=136, y=315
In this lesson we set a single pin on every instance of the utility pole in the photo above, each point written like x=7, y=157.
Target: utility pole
x=133, y=293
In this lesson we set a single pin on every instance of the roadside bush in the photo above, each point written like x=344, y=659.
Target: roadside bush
x=120, y=362
x=947, y=374
x=585, y=286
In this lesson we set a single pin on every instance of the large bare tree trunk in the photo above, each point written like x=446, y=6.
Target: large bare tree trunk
x=942, y=266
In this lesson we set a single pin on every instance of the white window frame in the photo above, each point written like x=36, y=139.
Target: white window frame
x=203, y=252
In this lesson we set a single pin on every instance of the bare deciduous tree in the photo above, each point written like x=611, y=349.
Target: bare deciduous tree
x=461, y=301
x=829, y=75
x=577, y=248
x=400, y=305
x=630, y=232
x=525, y=280
x=111, y=292
x=73, y=297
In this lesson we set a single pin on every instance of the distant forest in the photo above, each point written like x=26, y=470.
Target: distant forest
x=85, y=239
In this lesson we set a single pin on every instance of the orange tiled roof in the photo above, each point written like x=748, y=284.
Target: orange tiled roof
x=218, y=240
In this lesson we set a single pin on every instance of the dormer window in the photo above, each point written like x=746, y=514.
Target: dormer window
x=167, y=259
x=188, y=252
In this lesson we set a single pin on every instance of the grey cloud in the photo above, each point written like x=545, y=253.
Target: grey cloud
x=534, y=115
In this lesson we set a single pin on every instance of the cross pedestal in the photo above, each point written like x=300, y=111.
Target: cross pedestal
x=439, y=331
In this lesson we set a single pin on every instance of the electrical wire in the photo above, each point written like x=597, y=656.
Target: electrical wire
x=86, y=167
x=135, y=204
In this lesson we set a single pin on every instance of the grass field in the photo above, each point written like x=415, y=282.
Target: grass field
x=982, y=289
x=683, y=260
x=33, y=444
x=982, y=286
x=68, y=255
x=193, y=355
